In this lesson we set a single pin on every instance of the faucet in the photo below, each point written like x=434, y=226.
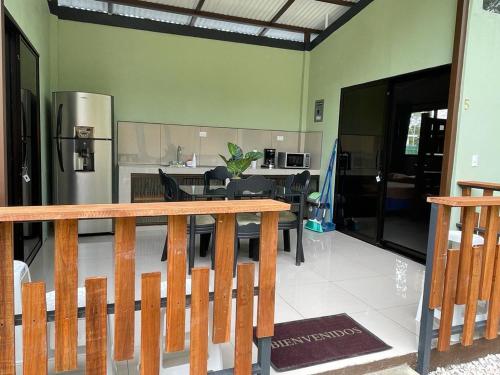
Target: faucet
x=179, y=154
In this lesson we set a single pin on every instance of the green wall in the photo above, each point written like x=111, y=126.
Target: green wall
x=388, y=38
x=175, y=79
x=479, y=122
x=35, y=21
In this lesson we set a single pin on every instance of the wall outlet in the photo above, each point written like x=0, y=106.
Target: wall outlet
x=280, y=138
x=203, y=134
x=475, y=160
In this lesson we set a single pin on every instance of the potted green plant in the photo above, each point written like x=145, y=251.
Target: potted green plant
x=239, y=162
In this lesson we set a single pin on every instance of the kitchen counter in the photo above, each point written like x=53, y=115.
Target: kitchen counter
x=126, y=170
x=148, y=168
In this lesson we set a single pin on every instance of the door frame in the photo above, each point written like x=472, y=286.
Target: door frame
x=3, y=122
x=13, y=184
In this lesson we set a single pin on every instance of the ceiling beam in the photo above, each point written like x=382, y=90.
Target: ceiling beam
x=339, y=22
x=344, y=3
x=198, y=7
x=97, y=18
x=211, y=15
x=278, y=14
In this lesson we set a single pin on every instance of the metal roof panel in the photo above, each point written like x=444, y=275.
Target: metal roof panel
x=283, y=34
x=227, y=26
x=312, y=14
x=96, y=6
x=178, y=3
x=255, y=9
x=124, y=10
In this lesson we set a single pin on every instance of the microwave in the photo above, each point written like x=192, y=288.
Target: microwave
x=294, y=160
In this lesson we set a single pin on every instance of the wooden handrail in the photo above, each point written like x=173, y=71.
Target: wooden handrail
x=488, y=188
x=465, y=201
x=479, y=185
x=98, y=211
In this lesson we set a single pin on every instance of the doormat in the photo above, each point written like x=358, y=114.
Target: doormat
x=310, y=342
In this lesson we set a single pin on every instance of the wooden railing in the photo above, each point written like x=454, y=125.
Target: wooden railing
x=487, y=190
x=35, y=316
x=462, y=276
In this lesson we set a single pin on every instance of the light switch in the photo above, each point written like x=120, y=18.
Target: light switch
x=280, y=138
x=203, y=134
x=475, y=160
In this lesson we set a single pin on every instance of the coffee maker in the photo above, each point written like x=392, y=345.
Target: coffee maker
x=269, y=158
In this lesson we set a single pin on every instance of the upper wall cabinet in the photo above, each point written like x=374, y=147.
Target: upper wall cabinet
x=138, y=143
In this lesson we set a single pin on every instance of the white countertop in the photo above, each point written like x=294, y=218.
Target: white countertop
x=148, y=168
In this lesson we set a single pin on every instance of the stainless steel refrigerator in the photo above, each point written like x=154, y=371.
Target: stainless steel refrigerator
x=83, y=153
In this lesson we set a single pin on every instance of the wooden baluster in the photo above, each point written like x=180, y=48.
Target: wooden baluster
x=483, y=218
x=7, y=352
x=150, y=323
x=198, y=353
x=466, y=192
x=66, y=289
x=472, y=297
x=224, y=260
x=465, y=255
x=267, y=273
x=176, y=283
x=440, y=249
x=124, y=288
x=448, y=304
x=490, y=245
x=244, y=320
x=494, y=302
x=34, y=329
x=96, y=327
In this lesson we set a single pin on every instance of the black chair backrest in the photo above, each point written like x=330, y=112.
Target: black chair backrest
x=298, y=182
x=218, y=174
x=251, y=188
x=170, y=187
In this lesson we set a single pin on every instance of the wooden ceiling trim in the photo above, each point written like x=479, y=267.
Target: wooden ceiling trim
x=343, y=3
x=211, y=15
x=278, y=14
x=198, y=7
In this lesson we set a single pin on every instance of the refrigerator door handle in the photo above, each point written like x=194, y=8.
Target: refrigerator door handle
x=59, y=120
x=58, y=137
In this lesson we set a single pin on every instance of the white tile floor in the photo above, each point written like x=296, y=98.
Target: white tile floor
x=377, y=288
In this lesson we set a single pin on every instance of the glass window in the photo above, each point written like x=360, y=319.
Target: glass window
x=413, y=139
x=442, y=114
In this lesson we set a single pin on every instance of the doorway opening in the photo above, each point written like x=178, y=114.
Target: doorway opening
x=23, y=135
x=391, y=147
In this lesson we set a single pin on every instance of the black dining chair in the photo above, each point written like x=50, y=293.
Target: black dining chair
x=293, y=219
x=205, y=224
x=248, y=224
x=218, y=174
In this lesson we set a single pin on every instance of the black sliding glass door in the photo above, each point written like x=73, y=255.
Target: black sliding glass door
x=391, y=142
x=360, y=160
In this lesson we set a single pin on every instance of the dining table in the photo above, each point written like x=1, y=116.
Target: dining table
x=219, y=192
